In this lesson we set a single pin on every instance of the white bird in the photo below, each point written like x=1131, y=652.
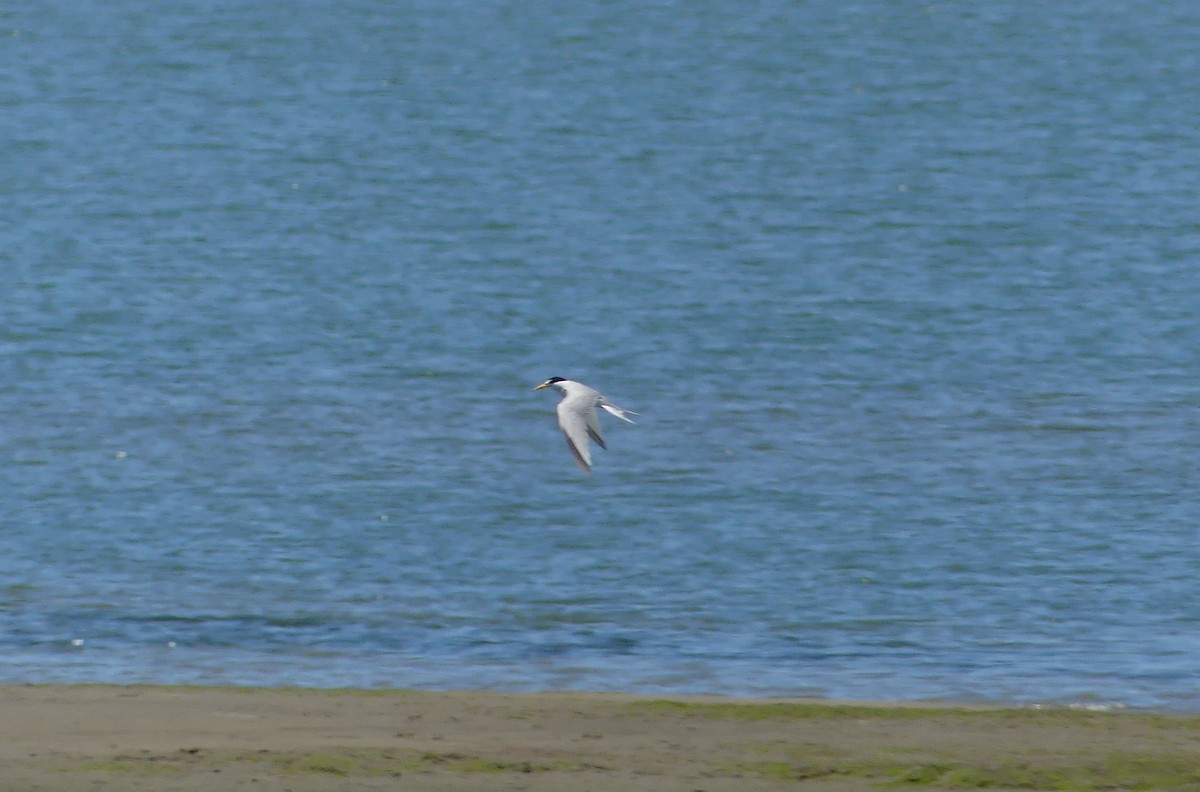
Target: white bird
x=577, y=416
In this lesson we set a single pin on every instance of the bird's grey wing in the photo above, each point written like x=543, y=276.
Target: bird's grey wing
x=593, y=428
x=574, y=424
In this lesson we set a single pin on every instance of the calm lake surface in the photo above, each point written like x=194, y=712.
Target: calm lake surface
x=905, y=294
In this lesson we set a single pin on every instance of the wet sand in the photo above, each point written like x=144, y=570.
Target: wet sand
x=69, y=738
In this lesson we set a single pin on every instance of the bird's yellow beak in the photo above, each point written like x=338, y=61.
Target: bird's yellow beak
x=543, y=385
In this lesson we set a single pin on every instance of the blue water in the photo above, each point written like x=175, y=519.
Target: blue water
x=905, y=294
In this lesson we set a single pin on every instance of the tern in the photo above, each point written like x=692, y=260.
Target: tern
x=577, y=416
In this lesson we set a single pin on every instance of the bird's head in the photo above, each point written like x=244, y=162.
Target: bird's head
x=550, y=383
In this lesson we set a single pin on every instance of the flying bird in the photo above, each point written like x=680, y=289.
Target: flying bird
x=577, y=416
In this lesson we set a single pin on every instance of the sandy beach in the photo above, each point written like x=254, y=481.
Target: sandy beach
x=68, y=738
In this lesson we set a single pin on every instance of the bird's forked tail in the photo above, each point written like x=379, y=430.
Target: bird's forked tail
x=619, y=412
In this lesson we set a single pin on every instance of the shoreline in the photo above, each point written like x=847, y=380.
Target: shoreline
x=147, y=737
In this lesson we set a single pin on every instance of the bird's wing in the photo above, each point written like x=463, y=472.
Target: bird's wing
x=593, y=427
x=573, y=420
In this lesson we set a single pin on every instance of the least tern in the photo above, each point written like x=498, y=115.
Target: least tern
x=577, y=416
